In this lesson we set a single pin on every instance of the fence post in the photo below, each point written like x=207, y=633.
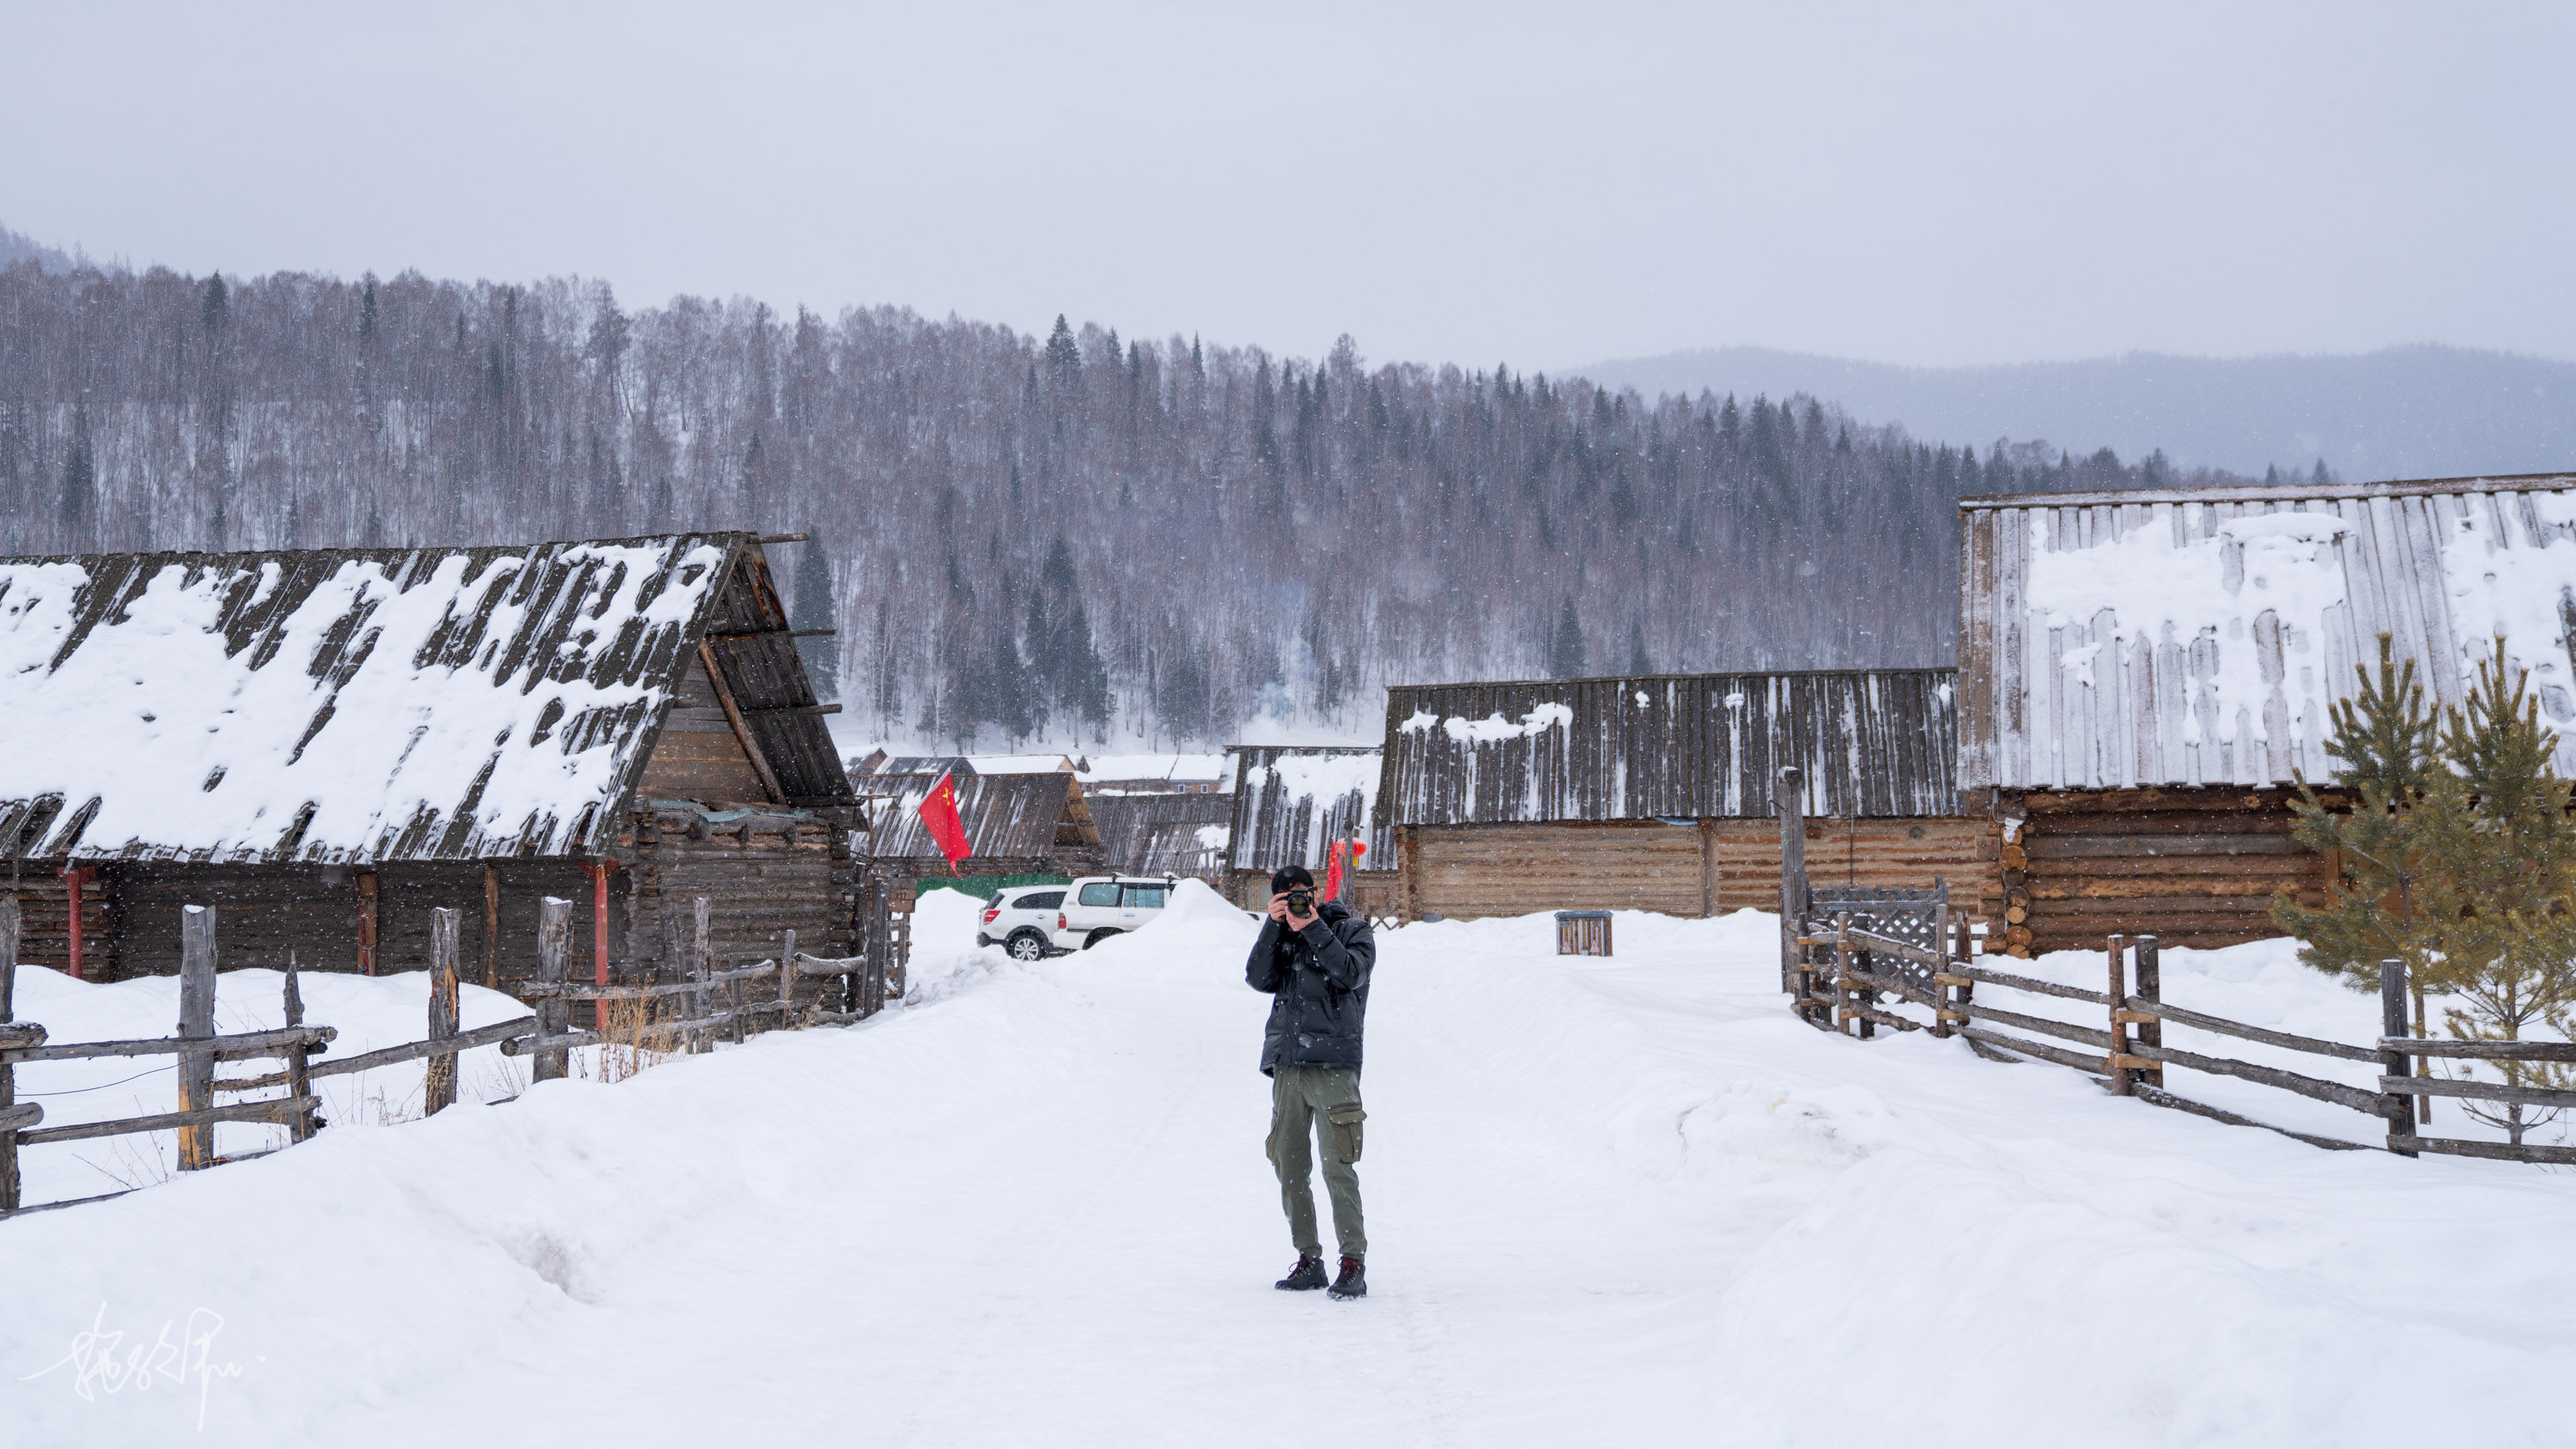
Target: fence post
x=701, y=950
x=787, y=982
x=2392, y=1023
x=864, y=938
x=8, y=1068
x=1846, y=995
x=2117, y=1058
x=554, y=1011
x=1792, y=802
x=299, y=1061
x=736, y=1029
x=2151, y=989
x=438, y=1084
x=196, y=1019
x=880, y=944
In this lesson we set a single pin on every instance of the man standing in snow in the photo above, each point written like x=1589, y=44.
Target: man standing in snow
x=1314, y=958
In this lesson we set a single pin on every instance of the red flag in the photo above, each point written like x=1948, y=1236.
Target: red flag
x=939, y=816
x=1333, y=870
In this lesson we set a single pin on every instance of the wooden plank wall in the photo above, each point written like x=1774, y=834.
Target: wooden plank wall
x=2192, y=867
x=1711, y=867
x=699, y=757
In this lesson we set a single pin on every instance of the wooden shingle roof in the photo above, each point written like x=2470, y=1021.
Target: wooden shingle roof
x=1292, y=801
x=1007, y=817
x=1669, y=746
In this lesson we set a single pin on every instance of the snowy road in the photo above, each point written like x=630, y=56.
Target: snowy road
x=1619, y=1202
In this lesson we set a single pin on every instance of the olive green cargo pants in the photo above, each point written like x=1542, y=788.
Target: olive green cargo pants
x=1325, y=1101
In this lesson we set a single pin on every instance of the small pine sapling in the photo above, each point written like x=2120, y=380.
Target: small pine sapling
x=2385, y=737
x=2499, y=851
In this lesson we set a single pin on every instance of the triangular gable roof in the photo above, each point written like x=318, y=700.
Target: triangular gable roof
x=356, y=705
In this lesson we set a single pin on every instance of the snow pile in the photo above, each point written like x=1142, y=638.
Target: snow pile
x=1493, y=727
x=1611, y=1200
x=192, y=740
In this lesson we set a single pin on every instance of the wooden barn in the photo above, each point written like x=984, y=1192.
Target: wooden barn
x=326, y=744
x=1020, y=826
x=1163, y=832
x=2144, y=676
x=1656, y=792
x=1290, y=803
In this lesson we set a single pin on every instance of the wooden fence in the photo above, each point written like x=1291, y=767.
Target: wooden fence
x=715, y=1005
x=1852, y=959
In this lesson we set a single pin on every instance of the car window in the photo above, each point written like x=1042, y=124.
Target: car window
x=1039, y=901
x=1100, y=893
x=995, y=901
x=1149, y=898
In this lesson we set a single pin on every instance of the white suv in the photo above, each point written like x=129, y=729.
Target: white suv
x=1098, y=907
x=1022, y=922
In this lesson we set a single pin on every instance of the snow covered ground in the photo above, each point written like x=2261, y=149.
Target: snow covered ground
x=1622, y=1201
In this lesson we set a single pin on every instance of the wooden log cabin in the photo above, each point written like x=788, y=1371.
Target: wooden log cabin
x=1290, y=803
x=2145, y=675
x=1656, y=792
x=326, y=744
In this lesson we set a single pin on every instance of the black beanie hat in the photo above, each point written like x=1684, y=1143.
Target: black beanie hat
x=1290, y=875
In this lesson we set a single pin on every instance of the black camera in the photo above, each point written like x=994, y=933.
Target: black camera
x=1301, y=902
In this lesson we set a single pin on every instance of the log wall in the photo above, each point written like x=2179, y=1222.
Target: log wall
x=761, y=876
x=1701, y=868
x=264, y=911
x=2193, y=867
x=44, y=905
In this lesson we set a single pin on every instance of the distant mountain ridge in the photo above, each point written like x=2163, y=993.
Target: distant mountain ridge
x=2403, y=412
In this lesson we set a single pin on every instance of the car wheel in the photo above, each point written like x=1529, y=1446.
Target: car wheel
x=1027, y=946
x=1096, y=937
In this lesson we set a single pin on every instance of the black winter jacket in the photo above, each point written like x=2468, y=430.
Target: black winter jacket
x=1318, y=981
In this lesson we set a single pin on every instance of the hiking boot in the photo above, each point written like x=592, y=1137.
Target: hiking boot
x=1352, y=1284
x=1309, y=1273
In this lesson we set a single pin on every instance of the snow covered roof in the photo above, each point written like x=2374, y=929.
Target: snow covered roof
x=1292, y=801
x=1128, y=769
x=1035, y=819
x=1876, y=743
x=2192, y=637
x=1020, y=764
x=1133, y=827
x=374, y=704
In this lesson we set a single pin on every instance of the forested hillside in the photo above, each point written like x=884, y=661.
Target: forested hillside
x=1022, y=535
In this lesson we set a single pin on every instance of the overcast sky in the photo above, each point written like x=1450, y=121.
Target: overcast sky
x=1540, y=185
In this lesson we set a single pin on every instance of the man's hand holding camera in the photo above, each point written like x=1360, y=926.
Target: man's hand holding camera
x=1294, y=909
